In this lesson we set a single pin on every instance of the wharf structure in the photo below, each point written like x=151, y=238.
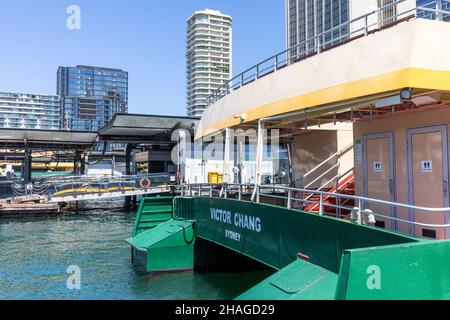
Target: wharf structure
x=25, y=153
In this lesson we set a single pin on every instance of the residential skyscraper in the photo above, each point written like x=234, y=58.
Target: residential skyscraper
x=90, y=96
x=209, y=57
x=29, y=111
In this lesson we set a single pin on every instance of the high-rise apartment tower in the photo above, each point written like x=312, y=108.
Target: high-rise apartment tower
x=209, y=57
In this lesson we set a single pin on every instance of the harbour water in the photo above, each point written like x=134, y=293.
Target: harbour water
x=36, y=252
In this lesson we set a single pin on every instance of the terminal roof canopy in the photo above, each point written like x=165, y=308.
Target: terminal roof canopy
x=50, y=140
x=145, y=129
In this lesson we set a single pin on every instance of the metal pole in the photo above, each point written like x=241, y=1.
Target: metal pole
x=307, y=27
x=366, y=25
x=226, y=157
x=339, y=209
x=259, y=153
x=316, y=43
x=359, y=221
x=321, y=205
x=289, y=204
x=439, y=14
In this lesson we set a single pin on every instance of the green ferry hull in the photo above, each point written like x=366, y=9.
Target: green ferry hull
x=315, y=257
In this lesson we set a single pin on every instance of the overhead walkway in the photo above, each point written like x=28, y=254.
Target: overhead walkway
x=324, y=82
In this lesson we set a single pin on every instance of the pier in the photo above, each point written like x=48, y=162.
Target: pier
x=45, y=193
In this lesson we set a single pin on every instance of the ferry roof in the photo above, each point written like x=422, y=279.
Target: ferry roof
x=46, y=139
x=140, y=129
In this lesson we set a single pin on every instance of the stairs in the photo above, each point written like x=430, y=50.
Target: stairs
x=345, y=187
x=152, y=211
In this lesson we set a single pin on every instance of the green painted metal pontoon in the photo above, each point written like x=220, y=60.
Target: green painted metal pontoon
x=159, y=243
x=314, y=257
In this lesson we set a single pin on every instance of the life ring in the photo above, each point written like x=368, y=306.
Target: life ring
x=145, y=183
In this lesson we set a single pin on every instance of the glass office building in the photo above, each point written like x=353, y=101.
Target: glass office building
x=442, y=4
x=90, y=96
x=306, y=19
x=29, y=111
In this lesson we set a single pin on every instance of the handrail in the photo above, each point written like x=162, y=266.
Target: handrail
x=353, y=197
x=337, y=154
x=337, y=165
x=321, y=44
x=338, y=177
x=358, y=210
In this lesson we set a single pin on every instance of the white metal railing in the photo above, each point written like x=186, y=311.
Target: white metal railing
x=335, y=180
x=357, y=212
x=338, y=187
x=336, y=155
x=355, y=28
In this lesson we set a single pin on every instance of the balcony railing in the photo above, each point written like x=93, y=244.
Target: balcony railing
x=351, y=30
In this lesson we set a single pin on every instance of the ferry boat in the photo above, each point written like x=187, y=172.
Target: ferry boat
x=366, y=215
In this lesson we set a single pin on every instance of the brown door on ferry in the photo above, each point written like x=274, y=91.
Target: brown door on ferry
x=379, y=177
x=428, y=179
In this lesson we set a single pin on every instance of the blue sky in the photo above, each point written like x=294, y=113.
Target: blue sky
x=144, y=37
